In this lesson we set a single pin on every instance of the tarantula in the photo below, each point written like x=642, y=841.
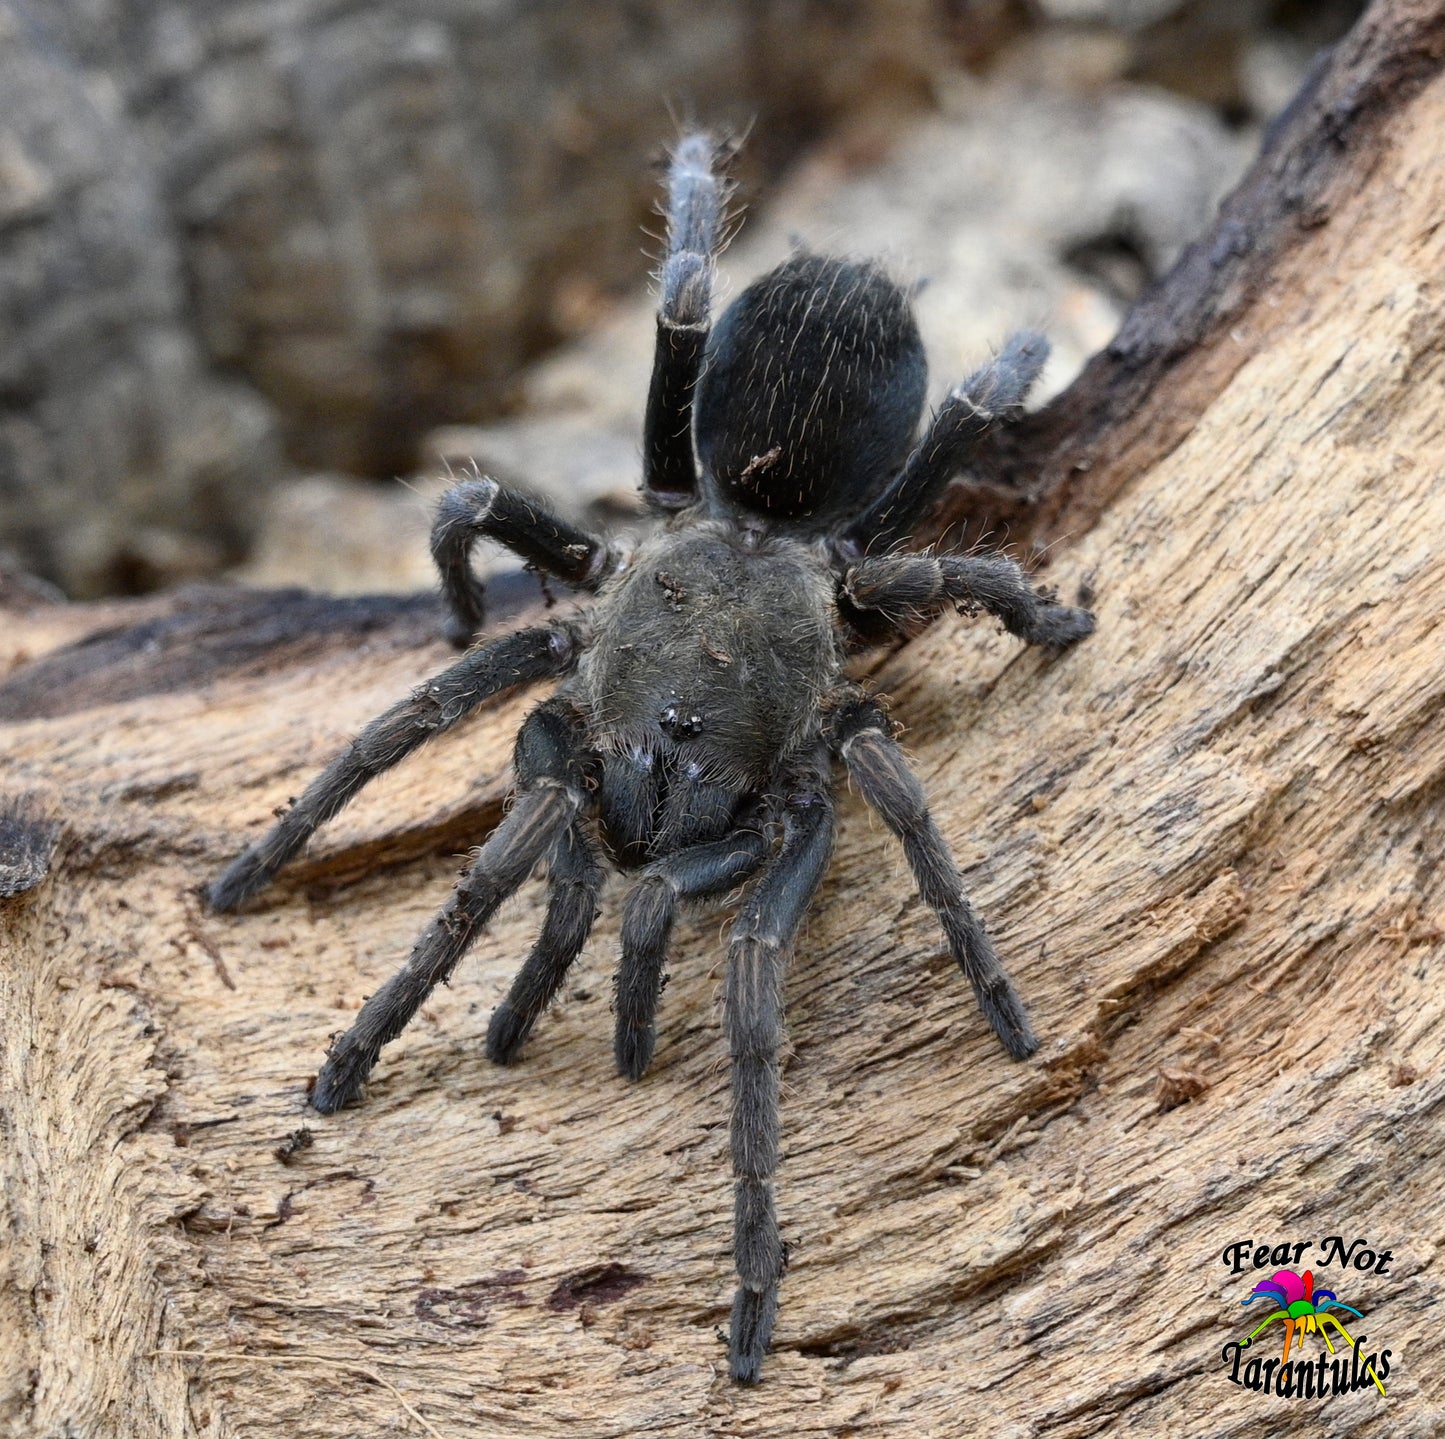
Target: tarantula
x=702, y=698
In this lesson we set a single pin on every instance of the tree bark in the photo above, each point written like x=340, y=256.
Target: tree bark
x=1208, y=841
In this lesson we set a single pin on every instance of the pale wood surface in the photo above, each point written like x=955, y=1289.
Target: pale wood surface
x=1209, y=844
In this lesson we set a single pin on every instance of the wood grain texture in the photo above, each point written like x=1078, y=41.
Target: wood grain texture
x=1209, y=843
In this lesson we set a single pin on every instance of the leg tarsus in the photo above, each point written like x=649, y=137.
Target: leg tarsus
x=507, y=1031
x=997, y=998
x=1001, y=386
x=1059, y=626
x=751, y=1331
x=341, y=1081
x=632, y=1050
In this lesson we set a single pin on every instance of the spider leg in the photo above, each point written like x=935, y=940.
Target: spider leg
x=695, y=198
x=966, y=415
x=876, y=764
x=431, y=709
x=480, y=508
x=575, y=879
x=1278, y=1314
x=1369, y=1368
x=760, y=944
x=651, y=910
x=550, y=791
x=908, y=589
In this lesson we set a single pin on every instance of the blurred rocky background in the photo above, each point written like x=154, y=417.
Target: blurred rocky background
x=269, y=270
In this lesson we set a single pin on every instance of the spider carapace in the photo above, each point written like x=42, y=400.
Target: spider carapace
x=702, y=702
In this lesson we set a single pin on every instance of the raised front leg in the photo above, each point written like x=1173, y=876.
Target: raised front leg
x=762, y=940
x=905, y=591
x=480, y=508
x=551, y=789
x=966, y=415
x=431, y=709
x=696, y=195
x=878, y=768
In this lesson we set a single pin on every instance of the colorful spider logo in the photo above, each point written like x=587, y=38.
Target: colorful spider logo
x=1304, y=1311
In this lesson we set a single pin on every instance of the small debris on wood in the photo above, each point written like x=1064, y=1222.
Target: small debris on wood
x=27, y=844
x=182, y=1131
x=1178, y=1086
x=293, y=1144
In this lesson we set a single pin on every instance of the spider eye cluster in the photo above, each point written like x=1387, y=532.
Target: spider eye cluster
x=680, y=722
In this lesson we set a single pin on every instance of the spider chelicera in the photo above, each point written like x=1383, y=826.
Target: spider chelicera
x=703, y=701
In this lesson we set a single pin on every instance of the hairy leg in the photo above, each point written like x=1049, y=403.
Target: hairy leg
x=761, y=942
x=550, y=792
x=647, y=922
x=431, y=709
x=696, y=195
x=575, y=879
x=882, y=775
x=910, y=589
x=480, y=508
x=970, y=410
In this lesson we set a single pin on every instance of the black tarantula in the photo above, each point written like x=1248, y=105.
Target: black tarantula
x=703, y=700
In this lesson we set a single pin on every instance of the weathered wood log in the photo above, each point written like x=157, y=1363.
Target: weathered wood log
x=1209, y=842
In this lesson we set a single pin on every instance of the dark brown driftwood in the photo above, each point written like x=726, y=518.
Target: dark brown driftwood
x=1209, y=841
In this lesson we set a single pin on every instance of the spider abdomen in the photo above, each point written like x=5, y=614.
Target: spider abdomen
x=812, y=390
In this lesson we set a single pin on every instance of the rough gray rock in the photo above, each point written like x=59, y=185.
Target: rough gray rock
x=1209, y=49
x=123, y=458
x=366, y=216
x=381, y=202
